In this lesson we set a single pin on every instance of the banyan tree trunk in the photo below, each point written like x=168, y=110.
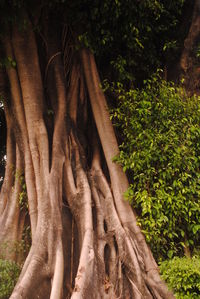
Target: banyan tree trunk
x=85, y=238
x=189, y=62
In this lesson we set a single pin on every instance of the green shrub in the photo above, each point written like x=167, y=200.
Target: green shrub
x=182, y=276
x=9, y=273
x=161, y=153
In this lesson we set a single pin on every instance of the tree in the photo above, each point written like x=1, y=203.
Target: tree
x=189, y=62
x=60, y=146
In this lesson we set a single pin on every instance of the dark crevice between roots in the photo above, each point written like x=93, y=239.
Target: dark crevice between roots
x=115, y=244
x=107, y=258
x=105, y=226
x=71, y=250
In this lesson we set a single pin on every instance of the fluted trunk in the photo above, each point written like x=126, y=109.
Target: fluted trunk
x=85, y=238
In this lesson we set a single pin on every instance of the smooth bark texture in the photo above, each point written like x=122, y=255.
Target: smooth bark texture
x=85, y=238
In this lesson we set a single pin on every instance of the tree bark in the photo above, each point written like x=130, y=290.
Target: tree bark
x=189, y=62
x=85, y=238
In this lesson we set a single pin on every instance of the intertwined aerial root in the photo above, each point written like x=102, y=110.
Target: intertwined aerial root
x=85, y=238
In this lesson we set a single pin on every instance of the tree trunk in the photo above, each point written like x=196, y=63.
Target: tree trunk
x=189, y=62
x=85, y=238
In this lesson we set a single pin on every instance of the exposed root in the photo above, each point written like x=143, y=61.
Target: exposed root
x=80, y=222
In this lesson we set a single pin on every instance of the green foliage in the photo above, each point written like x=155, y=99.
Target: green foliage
x=19, y=249
x=161, y=152
x=9, y=273
x=23, y=201
x=132, y=37
x=182, y=276
x=197, y=50
x=7, y=62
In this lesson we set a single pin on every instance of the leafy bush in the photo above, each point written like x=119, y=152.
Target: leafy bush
x=182, y=276
x=9, y=273
x=161, y=152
